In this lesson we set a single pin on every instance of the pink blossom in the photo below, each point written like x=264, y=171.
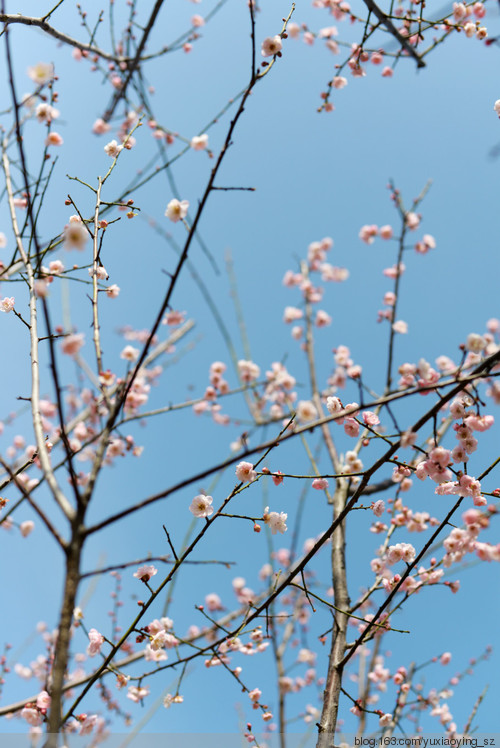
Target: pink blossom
x=367, y=233
x=370, y=419
x=129, y=353
x=276, y=521
x=445, y=658
x=100, y=127
x=401, y=552
x=386, y=232
x=177, y=210
x=32, y=716
x=144, y=573
x=53, y=138
x=378, y=508
x=43, y=700
x=197, y=21
x=387, y=72
x=88, y=724
x=277, y=478
x=322, y=319
x=71, y=344
x=334, y=406
x=96, y=640
x=385, y=720
x=26, y=527
x=320, y=484
x=41, y=73
x=306, y=411
x=112, y=149
x=291, y=314
x=174, y=318
x=199, y=142
x=201, y=506
x=412, y=221
x=248, y=371
x=400, y=327
x=271, y=46
x=213, y=602
x=75, y=235
x=7, y=304
x=112, y=291
x=41, y=288
x=56, y=267
x=475, y=343
x=351, y=427
x=339, y=82
x=136, y=694
x=245, y=472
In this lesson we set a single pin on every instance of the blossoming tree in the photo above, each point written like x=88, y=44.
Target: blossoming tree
x=350, y=490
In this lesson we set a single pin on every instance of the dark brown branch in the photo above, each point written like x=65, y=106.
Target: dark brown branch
x=373, y=7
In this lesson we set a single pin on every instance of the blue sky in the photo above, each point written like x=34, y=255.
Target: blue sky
x=314, y=175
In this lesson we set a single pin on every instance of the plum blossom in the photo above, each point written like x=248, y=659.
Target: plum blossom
x=71, y=344
x=129, y=353
x=213, y=602
x=144, y=573
x=46, y=113
x=306, y=411
x=334, y=406
x=370, y=418
x=367, y=233
x=248, y=371
x=26, y=527
x=43, y=700
x=41, y=73
x=56, y=267
x=75, y=235
x=401, y=552
x=412, y=221
x=475, y=343
x=112, y=291
x=339, y=82
x=378, y=508
x=113, y=148
x=320, y=484
x=136, y=694
x=100, y=127
x=276, y=521
x=199, y=142
x=271, y=46
x=400, y=326
x=291, y=314
x=7, y=304
x=201, y=506
x=245, y=472
x=32, y=716
x=177, y=210
x=53, y=138
x=96, y=640
x=169, y=700
x=322, y=319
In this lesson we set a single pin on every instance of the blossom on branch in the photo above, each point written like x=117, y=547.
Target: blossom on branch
x=271, y=46
x=201, y=506
x=177, y=210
